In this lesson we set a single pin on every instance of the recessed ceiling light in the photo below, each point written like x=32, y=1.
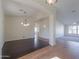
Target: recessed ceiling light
x=24, y=12
x=74, y=23
x=21, y=10
x=73, y=11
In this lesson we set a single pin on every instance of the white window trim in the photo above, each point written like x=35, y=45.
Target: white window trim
x=72, y=33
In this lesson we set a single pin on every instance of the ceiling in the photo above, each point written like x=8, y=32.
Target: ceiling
x=22, y=7
x=67, y=11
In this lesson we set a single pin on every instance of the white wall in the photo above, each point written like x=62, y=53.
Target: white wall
x=66, y=30
x=44, y=28
x=59, y=29
x=15, y=30
x=1, y=28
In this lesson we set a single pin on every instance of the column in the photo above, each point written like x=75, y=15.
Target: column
x=51, y=30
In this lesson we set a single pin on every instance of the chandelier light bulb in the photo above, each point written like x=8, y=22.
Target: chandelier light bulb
x=51, y=1
x=26, y=24
x=22, y=23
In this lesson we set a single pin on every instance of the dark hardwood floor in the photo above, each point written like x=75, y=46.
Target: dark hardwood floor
x=18, y=48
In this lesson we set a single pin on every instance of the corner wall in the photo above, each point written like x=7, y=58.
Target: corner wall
x=1, y=28
x=59, y=29
x=44, y=28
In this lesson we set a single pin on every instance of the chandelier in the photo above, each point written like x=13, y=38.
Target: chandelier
x=50, y=2
x=25, y=23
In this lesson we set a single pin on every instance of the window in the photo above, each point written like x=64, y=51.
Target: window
x=70, y=30
x=73, y=29
x=78, y=30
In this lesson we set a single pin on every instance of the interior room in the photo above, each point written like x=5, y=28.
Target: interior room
x=39, y=29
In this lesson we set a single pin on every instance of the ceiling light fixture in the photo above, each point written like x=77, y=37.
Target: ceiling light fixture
x=25, y=23
x=51, y=1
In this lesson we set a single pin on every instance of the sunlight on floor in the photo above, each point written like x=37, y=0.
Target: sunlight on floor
x=55, y=58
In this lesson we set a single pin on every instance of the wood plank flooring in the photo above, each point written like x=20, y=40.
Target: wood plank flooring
x=57, y=52
x=19, y=48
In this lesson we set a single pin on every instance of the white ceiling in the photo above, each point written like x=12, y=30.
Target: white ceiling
x=18, y=7
x=67, y=10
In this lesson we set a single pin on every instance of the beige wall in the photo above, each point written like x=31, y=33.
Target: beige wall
x=15, y=30
x=1, y=28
